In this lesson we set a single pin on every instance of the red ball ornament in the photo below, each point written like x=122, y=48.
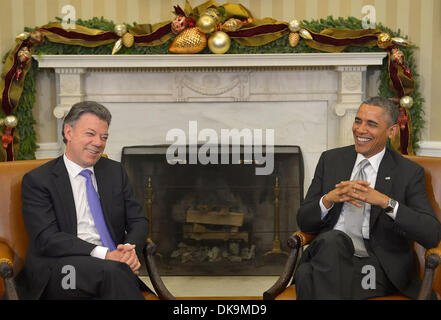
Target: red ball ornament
x=179, y=24
x=18, y=74
x=402, y=118
x=408, y=72
x=7, y=140
x=191, y=22
x=397, y=56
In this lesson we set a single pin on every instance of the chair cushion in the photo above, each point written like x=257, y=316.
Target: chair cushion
x=396, y=296
x=288, y=294
x=149, y=296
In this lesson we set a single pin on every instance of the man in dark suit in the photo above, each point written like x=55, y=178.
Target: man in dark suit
x=364, y=213
x=85, y=228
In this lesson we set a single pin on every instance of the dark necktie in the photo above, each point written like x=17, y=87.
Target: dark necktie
x=354, y=217
x=97, y=211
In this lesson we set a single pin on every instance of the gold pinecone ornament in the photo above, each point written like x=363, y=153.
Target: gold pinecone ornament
x=294, y=39
x=191, y=40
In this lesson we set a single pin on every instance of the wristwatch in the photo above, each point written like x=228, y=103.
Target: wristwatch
x=391, y=204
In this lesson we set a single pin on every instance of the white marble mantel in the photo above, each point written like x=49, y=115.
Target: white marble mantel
x=308, y=99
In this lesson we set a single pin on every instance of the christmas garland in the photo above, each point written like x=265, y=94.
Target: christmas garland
x=206, y=29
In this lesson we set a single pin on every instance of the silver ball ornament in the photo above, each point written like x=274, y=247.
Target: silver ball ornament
x=294, y=25
x=406, y=102
x=10, y=121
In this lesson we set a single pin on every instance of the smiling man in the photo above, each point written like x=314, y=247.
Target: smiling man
x=365, y=203
x=81, y=216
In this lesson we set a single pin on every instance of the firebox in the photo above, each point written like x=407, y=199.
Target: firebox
x=217, y=218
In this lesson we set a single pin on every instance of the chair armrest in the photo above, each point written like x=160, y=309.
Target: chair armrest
x=304, y=238
x=433, y=258
x=7, y=271
x=149, y=255
x=297, y=240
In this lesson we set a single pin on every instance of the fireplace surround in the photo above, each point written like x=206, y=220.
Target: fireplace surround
x=218, y=219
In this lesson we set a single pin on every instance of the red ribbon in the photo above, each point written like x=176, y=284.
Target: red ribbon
x=6, y=103
x=86, y=37
x=257, y=31
x=324, y=39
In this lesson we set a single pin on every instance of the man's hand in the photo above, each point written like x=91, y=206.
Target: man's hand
x=126, y=254
x=347, y=191
x=355, y=192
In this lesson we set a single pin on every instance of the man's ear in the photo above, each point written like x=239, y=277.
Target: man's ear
x=67, y=131
x=393, y=130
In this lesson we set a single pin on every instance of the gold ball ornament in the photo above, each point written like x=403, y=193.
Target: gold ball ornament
x=128, y=40
x=10, y=121
x=219, y=42
x=384, y=40
x=294, y=25
x=406, y=102
x=120, y=29
x=214, y=13
x=294, y=39
x=206, y=24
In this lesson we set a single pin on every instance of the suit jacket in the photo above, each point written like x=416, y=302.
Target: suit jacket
x=50, y=219
x=388, y=238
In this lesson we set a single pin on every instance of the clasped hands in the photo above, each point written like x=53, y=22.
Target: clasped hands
x=126, y=254
x=356, y=193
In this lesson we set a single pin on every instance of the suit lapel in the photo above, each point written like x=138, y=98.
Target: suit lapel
x=104, y=184
x=65, y=194
x=383, y=184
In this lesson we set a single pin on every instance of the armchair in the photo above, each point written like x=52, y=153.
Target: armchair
x=428, y=260
x=14, y=239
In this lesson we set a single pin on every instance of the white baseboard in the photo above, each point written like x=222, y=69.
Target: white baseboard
x=430, y=148
x=48, y=150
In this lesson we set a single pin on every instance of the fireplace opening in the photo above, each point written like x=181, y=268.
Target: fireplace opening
x=217, y=219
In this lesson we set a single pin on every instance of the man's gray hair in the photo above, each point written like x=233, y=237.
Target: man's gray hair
x=387, y=105
x=80, y=108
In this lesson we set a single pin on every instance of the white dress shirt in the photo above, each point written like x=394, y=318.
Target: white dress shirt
x=86, y=229
x=371, y=172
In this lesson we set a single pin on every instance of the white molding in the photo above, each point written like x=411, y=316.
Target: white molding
x=47, y=150
x=211, y=61
x=430, y=148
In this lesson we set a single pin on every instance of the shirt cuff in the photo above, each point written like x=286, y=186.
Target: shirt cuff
x=99, y=252
x=323, y=208
x=393, y=214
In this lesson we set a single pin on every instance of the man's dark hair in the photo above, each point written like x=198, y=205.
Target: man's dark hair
x=387, y=105
x=80, y=108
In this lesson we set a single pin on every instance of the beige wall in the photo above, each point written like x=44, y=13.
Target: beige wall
x=420, y=19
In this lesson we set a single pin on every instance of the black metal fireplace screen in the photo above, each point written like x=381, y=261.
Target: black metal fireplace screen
x=217, y=219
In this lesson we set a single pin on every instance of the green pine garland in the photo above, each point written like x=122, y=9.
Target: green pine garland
x=28, y=144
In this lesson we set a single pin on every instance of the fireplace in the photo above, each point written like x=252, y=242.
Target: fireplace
x=218, y=219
